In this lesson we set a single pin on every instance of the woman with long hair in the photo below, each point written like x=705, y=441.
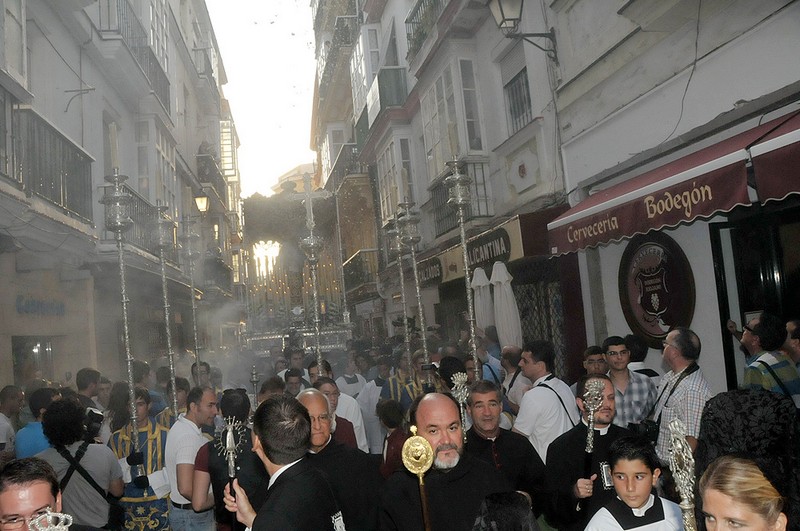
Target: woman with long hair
x=737, y=495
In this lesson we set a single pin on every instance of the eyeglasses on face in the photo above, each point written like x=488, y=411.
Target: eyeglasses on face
x=23, y=522
x=624, y=352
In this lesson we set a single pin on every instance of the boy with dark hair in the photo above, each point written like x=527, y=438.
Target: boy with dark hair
x=31, y=439
x=635, y=472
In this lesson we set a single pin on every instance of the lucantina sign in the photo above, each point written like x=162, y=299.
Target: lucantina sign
x=488, y=248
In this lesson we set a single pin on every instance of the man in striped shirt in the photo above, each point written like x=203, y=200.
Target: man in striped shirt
x=773, y=370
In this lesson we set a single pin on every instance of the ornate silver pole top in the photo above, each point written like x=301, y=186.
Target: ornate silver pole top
x=117, y=202
x=681, y=462
x=592, y=401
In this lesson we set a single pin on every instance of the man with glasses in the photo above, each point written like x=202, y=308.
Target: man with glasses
x=28, y=491
x=594, y=362
x=683, y=392
x=635, y=393
x=773, y=370
x=353, y=476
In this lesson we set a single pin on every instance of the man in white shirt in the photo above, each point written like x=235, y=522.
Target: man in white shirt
x=516, y=384
x=548, y=409
x=183, y=442
x=345, y=407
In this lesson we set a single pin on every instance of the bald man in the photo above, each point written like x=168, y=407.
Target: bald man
x=456, y=484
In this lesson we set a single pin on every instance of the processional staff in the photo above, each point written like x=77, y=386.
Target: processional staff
x=681, y=463
x=418, y=458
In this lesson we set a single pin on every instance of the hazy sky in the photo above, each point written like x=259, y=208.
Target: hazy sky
x=267, y=47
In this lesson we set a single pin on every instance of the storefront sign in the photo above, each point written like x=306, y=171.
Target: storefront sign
x=488, y=248
x=27, y=305
x=656, y=287
x=430, y=272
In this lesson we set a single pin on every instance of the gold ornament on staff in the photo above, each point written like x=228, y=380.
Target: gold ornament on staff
x=461, y=393
x=418, y=458
x=592, y=402
x=681, y=462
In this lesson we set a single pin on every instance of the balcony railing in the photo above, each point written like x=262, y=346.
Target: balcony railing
x=53, y=167
x=347, y=163
x=217, y=274
x=420, y=22
x=361, y=269
x=389, y=89
x=345, y=33
x=144, y=232
x=445, y=217
x=118, y=16
x=209, y=172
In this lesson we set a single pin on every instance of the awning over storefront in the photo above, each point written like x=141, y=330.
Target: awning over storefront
x=517, y=237
x=699, y=185
x=776, y=161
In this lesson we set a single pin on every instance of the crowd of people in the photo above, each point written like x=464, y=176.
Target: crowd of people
x=311, y=449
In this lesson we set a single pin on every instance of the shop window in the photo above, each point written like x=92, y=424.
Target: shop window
x=32, y=358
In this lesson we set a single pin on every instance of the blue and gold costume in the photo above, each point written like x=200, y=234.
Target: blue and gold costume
x=144, y=509
x=166, y=418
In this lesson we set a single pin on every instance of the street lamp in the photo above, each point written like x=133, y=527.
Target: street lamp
x=117, y=203
x=397, y=249
x=201, y=201
x=459, y=199
x=166, y=240
x=508, y=15
x=408, y=221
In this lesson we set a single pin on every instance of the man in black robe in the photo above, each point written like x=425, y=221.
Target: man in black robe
x=509, y=452
x=578, y=493
x=299, y=497
x=456, y=484
x=352, y=474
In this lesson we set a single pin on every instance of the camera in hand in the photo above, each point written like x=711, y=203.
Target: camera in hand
x=94, y=421
x=648, y=428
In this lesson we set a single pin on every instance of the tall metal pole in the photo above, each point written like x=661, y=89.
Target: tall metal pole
x=191, y=255
x=311, y=246
x=345, y=310
x=166, y=231
x=397, y=248
x=117, y=203
x=460, y=199
x=409, y=236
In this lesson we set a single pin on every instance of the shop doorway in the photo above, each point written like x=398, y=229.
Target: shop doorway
x=33, y=358
x=757, y=268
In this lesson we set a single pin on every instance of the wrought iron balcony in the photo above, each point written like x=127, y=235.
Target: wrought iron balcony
x=445, y=217
x=53, y=167
x=361, y=269
x=210, y=174
x=144, y=232
x=117, y=17
x=420, y=22
x=346, y=163
x=217, y=275
x=334, y=56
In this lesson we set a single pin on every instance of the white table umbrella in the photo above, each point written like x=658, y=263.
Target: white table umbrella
x=506, y=313
x=484, y=307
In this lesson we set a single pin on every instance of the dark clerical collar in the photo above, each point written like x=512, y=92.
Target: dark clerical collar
x=626, y=518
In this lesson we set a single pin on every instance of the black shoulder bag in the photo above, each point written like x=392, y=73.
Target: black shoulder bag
x=116, y=513
x=649, y=428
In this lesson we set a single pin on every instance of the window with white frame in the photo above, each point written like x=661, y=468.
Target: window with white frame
x=14, y=37
x=364, y=64
x=158, y=31
x=166, y=178
x=446, y=118
x=438, y=112
x=472, y=117
x=387, y=182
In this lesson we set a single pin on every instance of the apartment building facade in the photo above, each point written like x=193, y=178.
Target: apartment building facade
x=89, y=87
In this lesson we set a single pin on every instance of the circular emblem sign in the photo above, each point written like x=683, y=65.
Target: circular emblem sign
x=656, y=287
